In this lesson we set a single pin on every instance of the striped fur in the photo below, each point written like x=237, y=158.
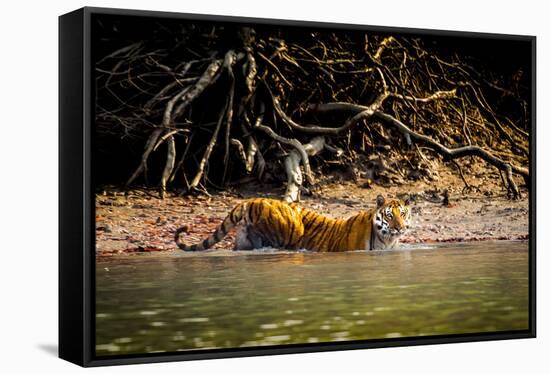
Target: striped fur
x=274, y=223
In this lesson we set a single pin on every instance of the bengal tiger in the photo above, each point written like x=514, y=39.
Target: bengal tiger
x=274, y=223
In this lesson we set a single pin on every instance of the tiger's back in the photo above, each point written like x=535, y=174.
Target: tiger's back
x=273, y=223
x=263, y=223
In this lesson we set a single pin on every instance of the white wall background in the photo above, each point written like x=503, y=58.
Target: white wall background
x=28, y=184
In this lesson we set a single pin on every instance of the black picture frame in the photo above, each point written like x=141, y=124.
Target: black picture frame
x=76, y=199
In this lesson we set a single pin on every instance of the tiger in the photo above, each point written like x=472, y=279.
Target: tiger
x=273, y=223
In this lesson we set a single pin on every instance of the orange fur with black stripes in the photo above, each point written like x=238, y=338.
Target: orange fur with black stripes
x=274, y=223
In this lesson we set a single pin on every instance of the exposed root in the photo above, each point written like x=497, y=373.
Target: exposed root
x=169, y=166
x=303, y=93
x=293, y=171
x=200, y=170
x=448, y=153
x=187, y=95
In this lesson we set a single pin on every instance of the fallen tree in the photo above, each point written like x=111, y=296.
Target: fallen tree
x=202, y=92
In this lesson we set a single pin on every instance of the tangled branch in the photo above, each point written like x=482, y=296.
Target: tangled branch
x=189, y=85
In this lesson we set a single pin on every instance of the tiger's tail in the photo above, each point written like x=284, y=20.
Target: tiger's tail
x=232, y=219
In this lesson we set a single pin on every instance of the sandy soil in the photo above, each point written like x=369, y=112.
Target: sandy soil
x=138, y=222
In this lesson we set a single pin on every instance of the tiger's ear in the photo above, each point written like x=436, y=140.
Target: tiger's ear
x=380, y=201
x=407, y=200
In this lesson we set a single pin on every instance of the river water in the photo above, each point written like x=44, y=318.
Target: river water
x=226, y=299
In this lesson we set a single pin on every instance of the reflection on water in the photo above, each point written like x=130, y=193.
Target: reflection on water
x=232, y=299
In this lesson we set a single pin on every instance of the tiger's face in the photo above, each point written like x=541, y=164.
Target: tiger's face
x=392, y=218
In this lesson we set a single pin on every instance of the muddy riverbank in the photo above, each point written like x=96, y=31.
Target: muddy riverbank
x=137, y=221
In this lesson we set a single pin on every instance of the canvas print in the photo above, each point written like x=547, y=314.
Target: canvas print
x=266, y=184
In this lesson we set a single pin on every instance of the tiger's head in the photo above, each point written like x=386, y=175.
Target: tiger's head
x=392, y=218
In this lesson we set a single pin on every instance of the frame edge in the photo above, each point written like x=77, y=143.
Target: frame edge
x=71, y=252
x=74, y=195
